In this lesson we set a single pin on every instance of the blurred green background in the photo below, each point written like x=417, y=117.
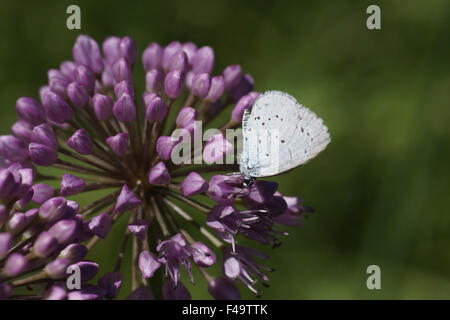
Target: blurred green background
x=380, y=190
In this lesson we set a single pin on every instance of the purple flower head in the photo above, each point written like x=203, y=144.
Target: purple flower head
x=103, y=106
x=194, y=184
x=119, y=143
x=81, y=142
x=124, y=109
x=30, y=110
x=175, y=291
x=174, y=84
x=154, y=80
x=152, y=57
x=173, y=253
x=139, y=228
x=159, y=174
x=156, y=108
x=126, y=200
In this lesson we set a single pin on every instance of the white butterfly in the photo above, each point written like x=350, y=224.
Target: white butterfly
x=279, y=134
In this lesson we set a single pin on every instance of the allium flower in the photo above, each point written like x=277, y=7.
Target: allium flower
x=98, y=134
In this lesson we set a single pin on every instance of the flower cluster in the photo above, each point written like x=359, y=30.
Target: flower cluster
x=95, y=133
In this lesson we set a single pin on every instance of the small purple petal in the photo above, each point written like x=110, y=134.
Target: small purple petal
x=194, y=184
x=71, y=185
x=148, y=264
x=174, y=84
x=30, y=110
x=124, y=109
x=159, y=174
x=203, y=61
x=81, y=142
x=100, y=225
x=126, y=200
x=103, y=106
x=119, y=143
x=44, y=134
x=42, y=155
x=152, y=57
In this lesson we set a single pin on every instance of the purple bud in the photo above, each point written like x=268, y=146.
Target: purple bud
x=5, y=290
x=122, y=87
x=242, y=88
x=64, y=231
x=87, y=292
x=172, y=292
x=159, y=174
x=57, y=268
x=156, y=109
x=86, y=52
x=188, y=79
x=68, y=69
x=119, y=143
x=103, y=106
x=17, y=222
x=55, y=292
x=216, y=89
x=246, y=102
x=121, y=70
x=232, y=75
x=53, y=209
x=124, y=109
x=126, y=200
x=148, y=264
x=202, y=255
x=223, y=289
x=81, y=142
x=45, y=245
x=165, y=146
x=154, y=80
x=203, y=61
x=85, y=77
x=178, y=61
x=194, y=184
x=128, y=49
x=13, y=148
x=56, y=109
x=107, y=76
x=169, y=51
x=100, y=225
x=190, y=49
x=58, y=82
x=44, y=134
x=6, y=241
x=111, y=283
x=186, y=117
x=22, y=130
x=42, y=155
x=111, y=49
x=30, y=110
x=9, y=184
x=78, y=94
x=42, y=192
x=71, y=185
x=141, y=293
x=73, y=252
x=201, y=84
x=174, y=84
x=139, y=228
x=88, y=269
x=261, y=191
x=152, y=57
x=216, y=148
x=15, y=265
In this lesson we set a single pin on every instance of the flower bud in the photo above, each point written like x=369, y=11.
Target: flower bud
x=73, y=252
x=194, y=184
x=53, y=209
x=119, y=143
x=55, y=292
x=87, y=52
x=111, y=283
x=178, y=61
x=169, y=51
x=58, y=82
x=156, y=109
x=126, y=200
x=45, y=245
x=42, y=155
x=6, y=241
x=100, y=225
x=128, y=49
x=64, y=231
x=81, y=142
x=152, y=57
x=165, y=146
x=174, y=84
x=159, y=174
x=30, y=110
x=15, y=265
x=216, y=89
x=216, y=148
x=111, y=49
x=57, y=268
x=56, y=109
x=122, y=87
x=203, y=61
x=190, y=49
x=242, y=88
x=246, y=102
x=121, y=70
x=87, y=292
x=201, y=84
x=78, y=94
x=13, y=148
x=44, y=134
x=186, y=117
x=68, y=69
x=223, y=289
x=85, y=77
x=124, y=109
x=9, y=184
x=42, y=192
x=148, y=264
x=232, y=75
x=103, y=106
x=71, y=185
x=22, y=130
x=154, y=80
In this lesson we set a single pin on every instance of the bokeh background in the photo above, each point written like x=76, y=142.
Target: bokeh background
x=380, y=190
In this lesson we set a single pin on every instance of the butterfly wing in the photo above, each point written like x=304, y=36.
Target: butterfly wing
x=279, y=135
